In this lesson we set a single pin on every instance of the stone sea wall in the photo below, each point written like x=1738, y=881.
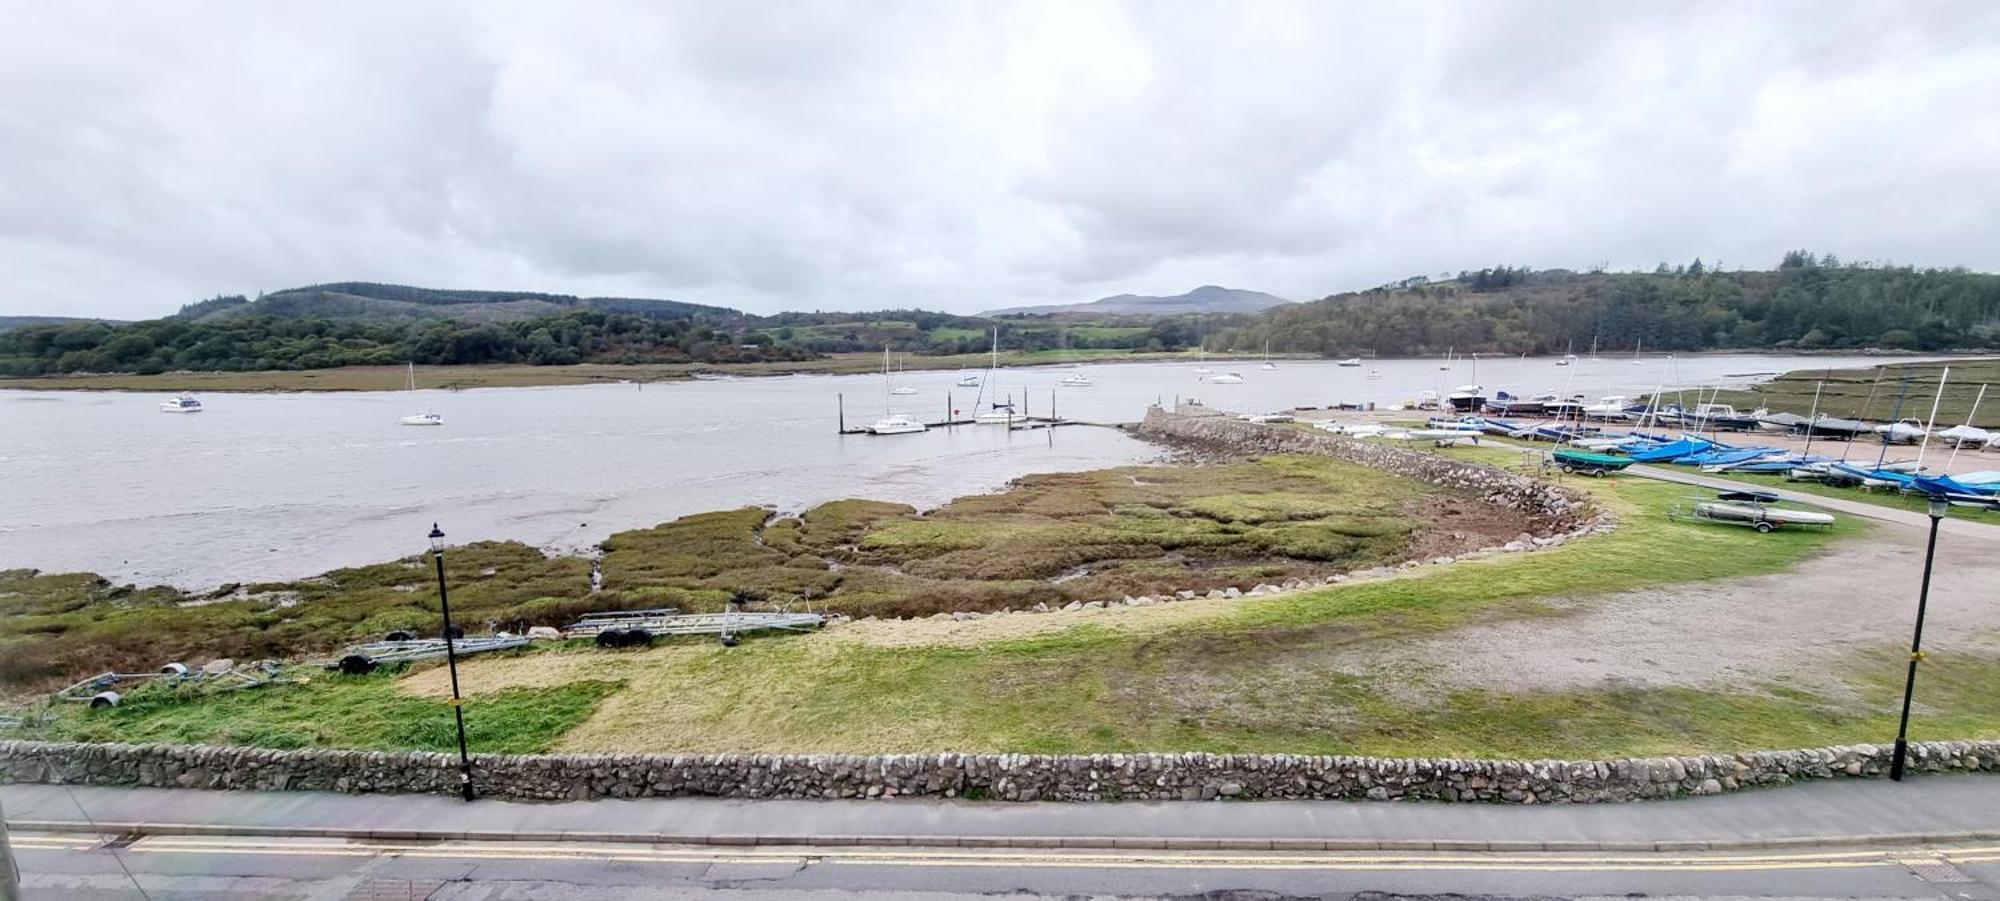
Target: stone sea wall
x=1003, y=777
x=1222, y=435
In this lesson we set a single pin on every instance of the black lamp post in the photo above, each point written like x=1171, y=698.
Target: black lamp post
x=1939, y=506
x=451, y=661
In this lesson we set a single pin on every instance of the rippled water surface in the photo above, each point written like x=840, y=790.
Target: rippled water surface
x=270, y=486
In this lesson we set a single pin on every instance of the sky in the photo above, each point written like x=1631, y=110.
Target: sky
x=971, y=155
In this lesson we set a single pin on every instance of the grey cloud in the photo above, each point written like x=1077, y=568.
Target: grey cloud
x=970, y=155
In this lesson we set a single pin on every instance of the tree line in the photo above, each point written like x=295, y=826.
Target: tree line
x=267, y=342
x=1808, y=303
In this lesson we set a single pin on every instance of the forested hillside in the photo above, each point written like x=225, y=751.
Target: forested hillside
x=1806, y=304
x=369, y=300
x=265, y=342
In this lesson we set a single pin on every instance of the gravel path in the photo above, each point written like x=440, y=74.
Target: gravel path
x=1789, y=628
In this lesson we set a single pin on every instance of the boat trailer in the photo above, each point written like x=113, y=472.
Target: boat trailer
x=100, y=691
x=1746, y=508
x=638, y=628
x=362, y=659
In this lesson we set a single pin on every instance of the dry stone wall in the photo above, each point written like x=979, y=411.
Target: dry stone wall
x=1220, y=435
x=1003, y=777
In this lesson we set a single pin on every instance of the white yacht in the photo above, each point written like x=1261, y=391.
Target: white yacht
x=902, y=390
x=1001, y=414
x=1350, y=362
x=893, y=423
x=1227, y=378
x=1075, y=380
x=1267, y=356
x=897, y=424
x=182, y=404
x=968, y=381
x=426, y=418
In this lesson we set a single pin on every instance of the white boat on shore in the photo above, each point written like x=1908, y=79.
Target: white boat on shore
x=182, y=404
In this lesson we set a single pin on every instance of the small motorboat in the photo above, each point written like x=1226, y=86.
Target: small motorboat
x=1587, y=462
x=902, y=390
x=897, y=424
x=1504, y=404
x=968, y=381
x=1075, y=380
x=1756, y=509
x=1350, y=362
x=1227, y=378
x=1608, y=408
x=1964, y=436
x=1902, y=431
x=1467, y=398
x=182, y=404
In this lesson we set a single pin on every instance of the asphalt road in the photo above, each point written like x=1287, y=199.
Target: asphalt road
x=71, y=866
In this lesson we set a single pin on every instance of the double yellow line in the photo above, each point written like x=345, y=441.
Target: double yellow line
x=973, y=858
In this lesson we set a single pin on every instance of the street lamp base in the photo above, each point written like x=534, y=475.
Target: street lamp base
x=1895, y=763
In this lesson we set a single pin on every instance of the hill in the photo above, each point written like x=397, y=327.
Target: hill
x=1205, y=299
x=13, y=322
x=366, y=300
x=1805, y=304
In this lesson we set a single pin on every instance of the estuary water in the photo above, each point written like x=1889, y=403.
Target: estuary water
x=280, y=486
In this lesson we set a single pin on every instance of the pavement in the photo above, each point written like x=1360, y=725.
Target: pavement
x=1932, y=837
x=1930, y=807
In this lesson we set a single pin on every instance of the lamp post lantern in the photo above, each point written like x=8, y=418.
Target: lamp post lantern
x=451, y=662
x=1939, y=506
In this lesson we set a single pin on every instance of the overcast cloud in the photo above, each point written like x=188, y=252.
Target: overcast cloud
x=964, y=155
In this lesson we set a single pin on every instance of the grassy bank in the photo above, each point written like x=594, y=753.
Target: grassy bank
x=1872, y=392
x=1047, y=539
x=391, y=378
x=1264, y=675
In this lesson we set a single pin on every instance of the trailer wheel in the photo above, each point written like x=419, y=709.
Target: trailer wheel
x=399, y=635
x=174, y=669
x=729, y=641
x=1764, y=527
x=103, y=699
x=611, y=638
x=1567, y=469
x=638, y=638
x=357, y=665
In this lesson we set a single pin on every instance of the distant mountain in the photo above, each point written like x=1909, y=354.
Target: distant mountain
x=13, y=322
x=366, y=300
x=1205, y=299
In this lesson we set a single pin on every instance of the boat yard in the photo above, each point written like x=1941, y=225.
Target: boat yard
x=1463, y=637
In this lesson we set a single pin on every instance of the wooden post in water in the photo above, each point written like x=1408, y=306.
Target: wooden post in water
x=841, y=399
x=1052, y=407
x=948, y=416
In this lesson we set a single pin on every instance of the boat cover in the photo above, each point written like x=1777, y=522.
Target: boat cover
x=1672, y=450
